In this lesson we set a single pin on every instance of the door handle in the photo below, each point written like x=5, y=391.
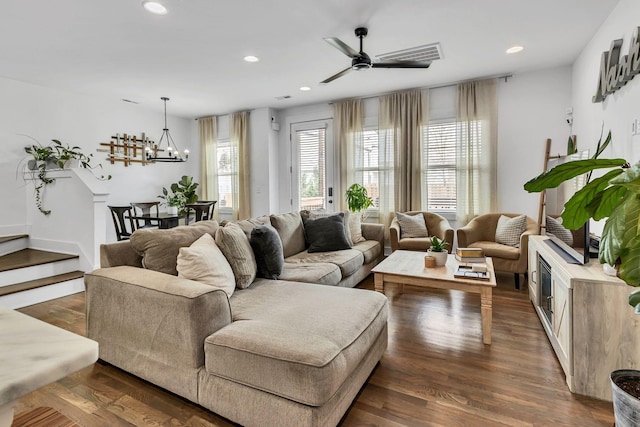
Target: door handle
x=330, y=192
x=549, y=298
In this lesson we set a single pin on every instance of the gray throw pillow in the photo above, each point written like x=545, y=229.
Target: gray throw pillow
x=267, y=247
x=509, y=230
x=326, y=234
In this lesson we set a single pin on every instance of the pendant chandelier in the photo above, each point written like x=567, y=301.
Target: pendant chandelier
x=157, y=153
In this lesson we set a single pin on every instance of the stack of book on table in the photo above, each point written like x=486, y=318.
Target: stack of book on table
x=470, y=255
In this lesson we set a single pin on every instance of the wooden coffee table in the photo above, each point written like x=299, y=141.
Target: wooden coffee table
x=407, y=268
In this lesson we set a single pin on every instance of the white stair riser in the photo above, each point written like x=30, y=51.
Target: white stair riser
x=20, y=275
x=12, y=246
x=45, y=293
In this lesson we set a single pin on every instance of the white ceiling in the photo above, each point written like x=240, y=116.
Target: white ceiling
x=193, y=55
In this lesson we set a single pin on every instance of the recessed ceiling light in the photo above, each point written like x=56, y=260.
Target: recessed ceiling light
x=515, y=49
x=154, y=7
x=251, y=58
x=305, y=88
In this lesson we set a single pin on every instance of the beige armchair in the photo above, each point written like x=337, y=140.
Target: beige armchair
x=436, y=226
x=480, y=232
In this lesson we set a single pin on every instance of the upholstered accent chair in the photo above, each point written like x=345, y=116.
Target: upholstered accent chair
x=437, y=226
x=480, y=232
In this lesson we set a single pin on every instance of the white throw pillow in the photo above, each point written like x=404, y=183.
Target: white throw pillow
x=355, y=228
x=204, y=262
x=509, y=230
x=555, y=227
x=412, y=225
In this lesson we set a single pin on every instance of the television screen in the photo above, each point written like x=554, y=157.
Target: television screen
x=555, y=198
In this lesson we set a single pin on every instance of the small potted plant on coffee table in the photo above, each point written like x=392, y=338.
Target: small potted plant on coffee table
x=438, y=250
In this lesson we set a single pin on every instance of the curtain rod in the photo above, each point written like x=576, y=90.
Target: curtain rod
x=503, y=76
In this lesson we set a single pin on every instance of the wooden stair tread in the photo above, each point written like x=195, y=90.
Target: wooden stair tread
x=38, y=283
x=31, y=257
x=14, y=237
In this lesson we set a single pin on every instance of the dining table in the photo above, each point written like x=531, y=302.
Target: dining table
x=163, y=219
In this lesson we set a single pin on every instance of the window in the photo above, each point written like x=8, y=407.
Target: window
x=311, y=179
x=367, y=164
x=227, y=174
x=439, y=167
x=439, y=162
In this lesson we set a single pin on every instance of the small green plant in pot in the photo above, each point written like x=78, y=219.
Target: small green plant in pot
x=357, y=198
x=438, y=250
x=180, y=194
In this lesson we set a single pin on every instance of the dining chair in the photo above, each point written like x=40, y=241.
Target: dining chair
x=120, y=221
x=145, y=208
x=203, y=210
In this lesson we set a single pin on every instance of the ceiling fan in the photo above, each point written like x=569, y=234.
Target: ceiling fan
x=362, y=61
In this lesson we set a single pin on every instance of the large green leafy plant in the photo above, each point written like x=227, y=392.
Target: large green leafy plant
x=357, y=198
x=615, y=196
x=182, y=193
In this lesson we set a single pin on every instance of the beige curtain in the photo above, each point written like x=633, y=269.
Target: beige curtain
x=476, y=149
x=400, y=120
x=209, y=178
x=348, y=127
x=241, y=167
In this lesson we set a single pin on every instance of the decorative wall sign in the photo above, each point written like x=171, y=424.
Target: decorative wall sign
x=128, y=149
x=615, y=71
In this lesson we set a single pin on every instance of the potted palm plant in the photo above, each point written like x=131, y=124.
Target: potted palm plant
x=615, y=196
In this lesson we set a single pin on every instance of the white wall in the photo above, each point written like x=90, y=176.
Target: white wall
x=619, y=109
x=46, y=114
x=531, y=108
x=263, y=143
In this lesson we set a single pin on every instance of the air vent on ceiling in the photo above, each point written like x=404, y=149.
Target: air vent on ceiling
x=427, y=52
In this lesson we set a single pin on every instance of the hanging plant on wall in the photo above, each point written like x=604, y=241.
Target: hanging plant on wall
x=41, y=158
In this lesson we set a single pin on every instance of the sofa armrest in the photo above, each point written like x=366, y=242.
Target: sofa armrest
x=137, y=314
x=532, y=230
x=371, y=231
x=394, y=234
x=119, y=253
x=469, y=233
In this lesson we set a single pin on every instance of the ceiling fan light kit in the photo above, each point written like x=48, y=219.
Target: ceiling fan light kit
x=361, y=61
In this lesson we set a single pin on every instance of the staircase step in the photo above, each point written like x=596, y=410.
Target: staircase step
x=13, y=243
x=30, y=257
x=14, y=237
x=38, y=283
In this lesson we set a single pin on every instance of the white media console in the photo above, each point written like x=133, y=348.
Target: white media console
x=586, y=316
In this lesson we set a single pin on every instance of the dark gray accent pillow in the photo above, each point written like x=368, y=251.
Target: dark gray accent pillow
x=267, y=247
x=326, y=233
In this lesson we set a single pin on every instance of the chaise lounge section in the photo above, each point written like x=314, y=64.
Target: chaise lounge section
x=276, y=353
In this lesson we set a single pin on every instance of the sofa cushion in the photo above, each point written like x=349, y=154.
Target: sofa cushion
x=204, y=262
x=267, y=249
x=236, y=248
x=291, y=231
x=414, y=243
x=159, y=248
x=308, y=338
x=509, y=230
x=371, y=249
x=322, y=273
x=497, y=250
x=248, y=225
x=411, y=225
x=326, y=234
x=349, y=260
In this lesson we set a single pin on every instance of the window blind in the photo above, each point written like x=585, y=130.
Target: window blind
x=311, y=168
x=439, y=165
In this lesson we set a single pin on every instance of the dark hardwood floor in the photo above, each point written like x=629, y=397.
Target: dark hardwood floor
x=435, y=372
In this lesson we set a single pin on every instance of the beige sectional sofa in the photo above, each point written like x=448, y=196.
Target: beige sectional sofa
x=277, y=353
